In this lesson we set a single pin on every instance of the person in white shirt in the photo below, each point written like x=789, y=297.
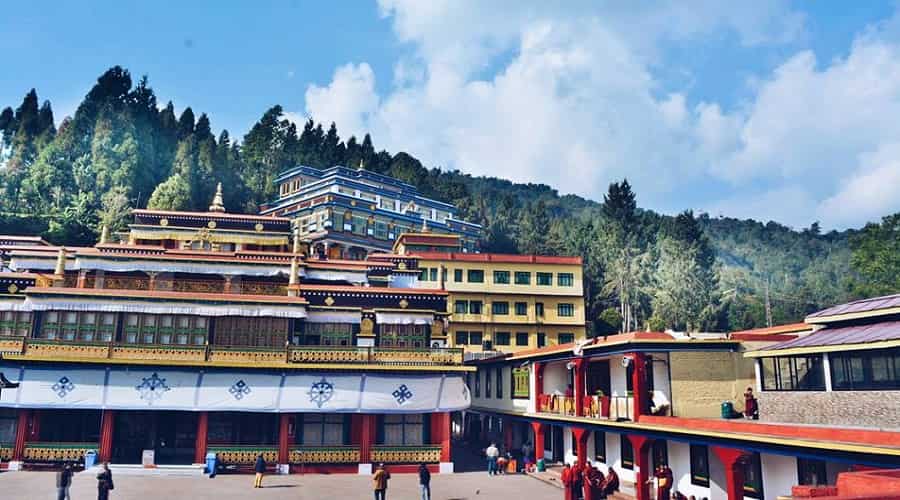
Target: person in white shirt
x=492, y=453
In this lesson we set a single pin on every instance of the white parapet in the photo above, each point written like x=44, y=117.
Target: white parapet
x=365, y=469
x=446, y=468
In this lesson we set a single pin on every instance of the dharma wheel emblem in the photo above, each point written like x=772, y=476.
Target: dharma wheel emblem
x=321, y=392
x=13, y=288
x=404, y=303
x=402, y=394
x=211, y=224
x=63, y=387
x=164, y=222
x=258, y=227
x=329, y=300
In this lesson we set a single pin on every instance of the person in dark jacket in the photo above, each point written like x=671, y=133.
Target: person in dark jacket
x=104, y=483
x=260, y=469
x=63, y=482
x=425, y=481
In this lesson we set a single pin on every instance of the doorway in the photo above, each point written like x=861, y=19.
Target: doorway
x=171, y=435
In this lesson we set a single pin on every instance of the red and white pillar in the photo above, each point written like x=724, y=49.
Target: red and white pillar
x=22, y=433
x=639, y=384
x=107, y=428
x=580, y=389
x=581, y=438
x=734, y=461
x=642, y=468
x=284, y=443
x=367, y=430
x=538, y=429
x=202, y=439
x=440, y=435
x=538, y=389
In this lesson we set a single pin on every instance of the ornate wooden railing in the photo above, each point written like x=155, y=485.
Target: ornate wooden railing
x=324, y=455
x=406, y=454
x=258, y=288
x=596, y=406
x=6, y=451
x=243, y=454
x=57, y=452
x=227, y=355
x=601, y=407
x=560, y=405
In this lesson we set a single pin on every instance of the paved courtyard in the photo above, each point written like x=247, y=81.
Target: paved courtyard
x=466, y=485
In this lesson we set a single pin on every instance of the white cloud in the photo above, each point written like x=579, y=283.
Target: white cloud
x=567, y=96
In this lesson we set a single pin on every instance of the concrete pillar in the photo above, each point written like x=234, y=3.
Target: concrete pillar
x=734, y=461
x=440, y=435
x=642, y=469
x=201, y=439
x=639, y=384
x=21, y=435
x=580, y=386
x=284, y=443
x=366, y=441
x=538, y=429
x=107, y=428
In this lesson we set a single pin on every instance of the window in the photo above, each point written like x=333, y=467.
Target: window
x=475, y=276
x=626, y=452
x=753, y=481
x=522, y=338
x=793, y=373
x=600, y=446
x=565, y=338
x=539, y=309
x=487, y=383
x=475, y=307
x=416, y=336
x=381, y=230
x=811, y=472
x=565, y=279
x=699, y=465
x=8, y=419
x=541, y=339
x=501, y=277
x=457, y=275
x=501, y=338
x=432, y=274
x=320, y=429
x=544, y=279
x=461, y=307
x=499, y=382
x=521, y=383
x=329, y=334
x=75, y=326
x=255, y=332
x=359, y=225
x=423, y=274
x=403, y=430
x=523, y=278
x=14, y=323
x=475, y=338
x=521, y=308
x=565, y=310
x=500, y=307
x=462, y=338
x=659, y=453
x=865, y=370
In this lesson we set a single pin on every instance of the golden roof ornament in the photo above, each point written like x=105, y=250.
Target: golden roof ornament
x=104, y=235
x=217, y=204
x=425, y=228
x=295, y=270
x=361, y=166
x=297, y=247
x=60, y=262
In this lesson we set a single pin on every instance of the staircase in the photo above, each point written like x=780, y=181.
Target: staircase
x=140, y=470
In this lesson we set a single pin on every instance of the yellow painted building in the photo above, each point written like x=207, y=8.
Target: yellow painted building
x=502, y=302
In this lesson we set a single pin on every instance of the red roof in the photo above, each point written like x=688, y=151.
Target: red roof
x=598, y=342
x=499, y=257
x=778, y=332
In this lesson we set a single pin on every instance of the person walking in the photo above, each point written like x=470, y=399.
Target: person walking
x=260, y=468
x=380, y=482
x=63, y=482
x=104, y=482
x=492, y=453
x=425, y=481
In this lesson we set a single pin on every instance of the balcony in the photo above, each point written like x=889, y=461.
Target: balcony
x=263, y=357
x=57, y=452
x=598, y=407
x=406, y=454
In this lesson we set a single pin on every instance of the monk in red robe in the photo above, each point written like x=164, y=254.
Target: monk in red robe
x=567, y=482
x=593, y=480
x=665, y=479
x=611, y=483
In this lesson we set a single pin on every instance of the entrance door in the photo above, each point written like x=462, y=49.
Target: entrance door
x=598, y=377
x=171, y=435
x=557, y=443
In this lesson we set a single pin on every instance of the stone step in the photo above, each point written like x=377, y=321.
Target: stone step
x=159, y=470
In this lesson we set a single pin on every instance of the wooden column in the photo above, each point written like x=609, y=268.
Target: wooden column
x=284, y=439
x=107, y=428
x=366, y=438
x=202, y=438
x=82, y=279
x=734, y=461
x=538, y=429
x=642, y=469
x=639, y=384
x=21, y=434
x=580, y=391
x=440, y=433
x=581, y=438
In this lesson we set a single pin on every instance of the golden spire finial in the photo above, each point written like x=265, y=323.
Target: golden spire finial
x=295, y=271
x=425, y=228
x=362, y=165
x=104, y=235
x=217, y=205
x=60, y=262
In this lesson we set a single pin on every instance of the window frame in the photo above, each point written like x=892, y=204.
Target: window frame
x=600, y=446
x=502, y=338
x=472, y=308
x=498, y=391
x=626, y=452
x=519, y=337
x=699, y=459
x=543, y=279
x=461, y=310
x=786, y=376
x=843, y=376
x=501, y=277
x=522, y=278
x=500, y=308
x=477, y=274
x=521, y=308
x=565, y=279
x=565, y=310
x=457, y=275
x=520, y=376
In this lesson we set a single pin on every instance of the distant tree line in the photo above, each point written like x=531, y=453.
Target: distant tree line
x=122, y=150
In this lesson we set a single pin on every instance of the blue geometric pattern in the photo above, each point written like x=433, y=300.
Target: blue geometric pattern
x=402, y=394
x=321, y=392
x=152, y=388
x=63, y=387
x=239, y=389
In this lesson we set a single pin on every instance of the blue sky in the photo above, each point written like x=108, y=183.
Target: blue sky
x=771, y=110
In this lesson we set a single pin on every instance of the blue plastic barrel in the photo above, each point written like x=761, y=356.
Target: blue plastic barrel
x=211, y=464
x=90, y=459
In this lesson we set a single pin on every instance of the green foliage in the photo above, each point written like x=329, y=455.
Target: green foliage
x=609, y=321
x=876, y=257
x=173, y=194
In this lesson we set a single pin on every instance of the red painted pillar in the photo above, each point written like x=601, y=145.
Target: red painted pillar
x=538, y=429
x=642, y=468
x=366, y=438
x=202, y=438
x=440, y=433
x=34, y=429
x=538, y=381
x=284, y=440
x=639, y=384
x=21, y=434
x=734, y=461
x=107, y=427
x=507, y=435
x=580, y=389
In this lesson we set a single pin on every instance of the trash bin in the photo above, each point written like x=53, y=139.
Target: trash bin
x=727, y=409
x=540, y=465
x=90, y=459
x=211, y=464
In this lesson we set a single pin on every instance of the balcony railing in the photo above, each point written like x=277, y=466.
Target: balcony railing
x=406, y=454
x=228, y=355
x=243, y=454
x=599, y=407
x=324, y=455
x=57, y=452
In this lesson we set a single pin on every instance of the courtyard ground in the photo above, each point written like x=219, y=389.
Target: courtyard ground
x=465, y=485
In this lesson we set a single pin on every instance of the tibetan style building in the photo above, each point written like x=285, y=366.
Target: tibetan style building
x=219, y=332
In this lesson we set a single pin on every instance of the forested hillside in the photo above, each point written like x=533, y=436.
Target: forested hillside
x=122, y=149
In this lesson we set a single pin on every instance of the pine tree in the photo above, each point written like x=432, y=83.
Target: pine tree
x=185, y=123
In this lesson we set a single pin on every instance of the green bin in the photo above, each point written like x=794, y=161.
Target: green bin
x=727, y=409
x=540, y=465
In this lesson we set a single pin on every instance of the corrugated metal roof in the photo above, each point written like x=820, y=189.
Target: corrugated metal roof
x=873, y=304
x=861, y=334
